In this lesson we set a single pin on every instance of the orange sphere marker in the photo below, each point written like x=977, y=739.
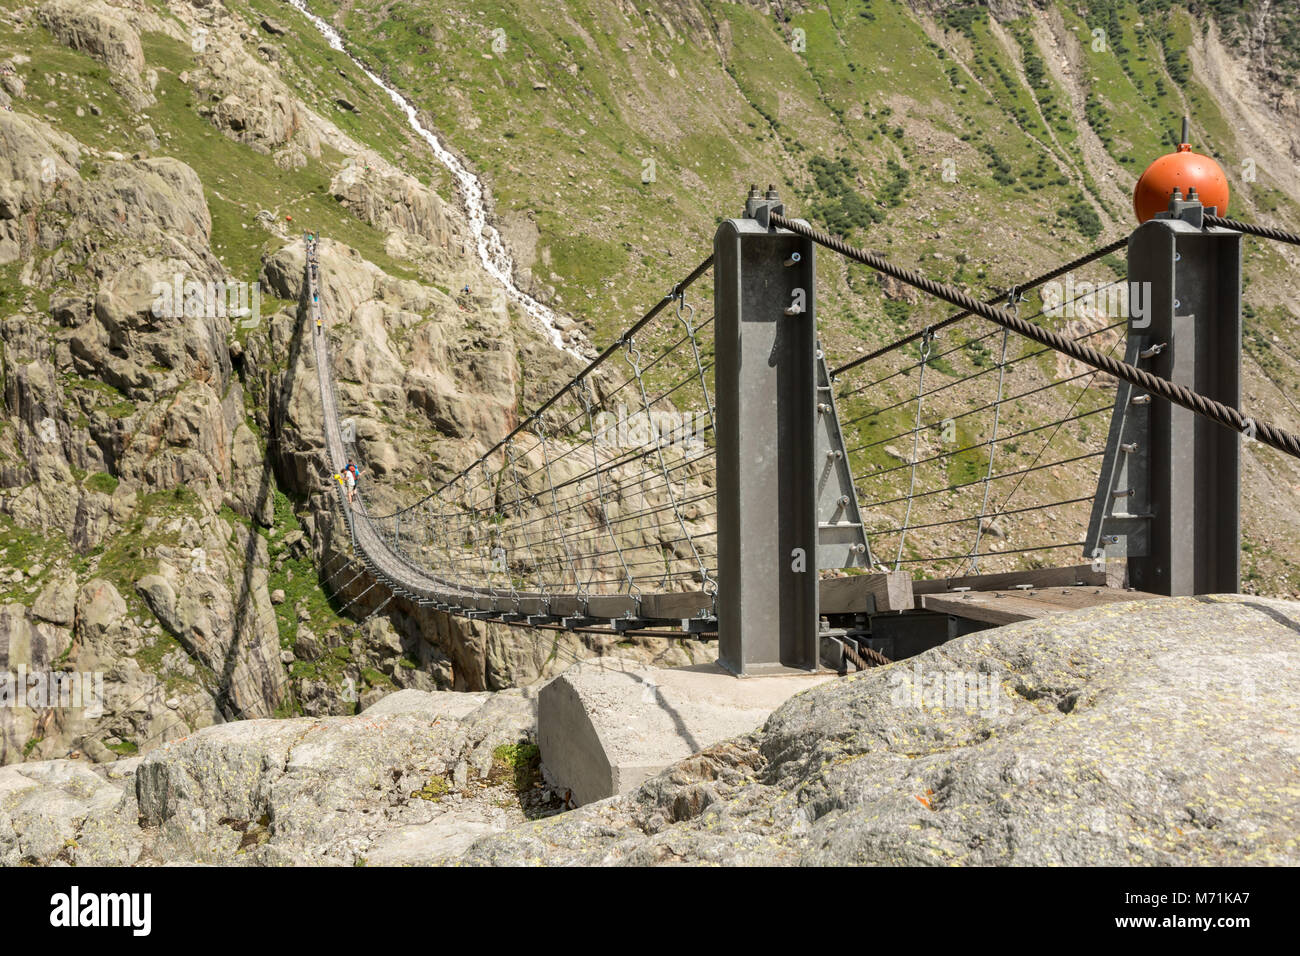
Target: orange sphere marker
x=1184, y=171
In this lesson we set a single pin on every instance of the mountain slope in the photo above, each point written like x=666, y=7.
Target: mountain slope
x=163, y=520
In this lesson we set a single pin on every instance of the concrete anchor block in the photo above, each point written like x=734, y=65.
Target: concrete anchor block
x=606, y=725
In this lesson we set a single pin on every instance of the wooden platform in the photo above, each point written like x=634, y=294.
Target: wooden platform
x=1000, y=598
x=1112, y=576
x=1009, y=606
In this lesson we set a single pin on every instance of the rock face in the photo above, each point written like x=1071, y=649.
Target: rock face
x=145, y=446
x=419, y=776
x=415, y=218
x=1158, y=733
x=101, y=31
x=34, y=158
x=87, y=631
x=232, y=633
x=160, y=457
x=248, y=101
x=63, y=811
x=422, y=385
x=1118, y=736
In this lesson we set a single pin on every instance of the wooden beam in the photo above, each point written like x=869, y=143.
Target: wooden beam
x=1007, y=607
x=610, y=605
x=678, y=606
x=867, y=593
x=1073, y=599
x=1076, y=575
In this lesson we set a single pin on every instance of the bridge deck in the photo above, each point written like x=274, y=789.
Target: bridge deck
x=1011, y=596
x=1007, y=607
x=407, y=578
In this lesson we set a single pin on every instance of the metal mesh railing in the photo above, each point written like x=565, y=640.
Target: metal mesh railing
x=606, y=490
x=969, y=445
x=974, y=450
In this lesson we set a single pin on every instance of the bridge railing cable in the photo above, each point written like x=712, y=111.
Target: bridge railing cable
x=673, y=295
x=1180, y=395
x=1020, y=289
x=606, y=489
x=941, y=439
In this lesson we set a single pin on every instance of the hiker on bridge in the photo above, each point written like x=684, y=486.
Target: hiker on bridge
x=351, y=474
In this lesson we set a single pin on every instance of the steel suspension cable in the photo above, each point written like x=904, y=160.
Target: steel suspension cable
x=966, y=378
x=600, y=490
x=633, y=358
x=1000, y=297
x=916, y=438
x=968, y=484
x=1050, y=438
x=1172, y=392
x=975, y=411
x=957, y=451
x=993, y=443
x=849, y=392
x=1266, y=232
x=672, y=296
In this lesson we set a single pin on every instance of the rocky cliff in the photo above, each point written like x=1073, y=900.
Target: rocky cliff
x=416, y=774
x=162, y=522
x=1155, y=733
x=1121, y=736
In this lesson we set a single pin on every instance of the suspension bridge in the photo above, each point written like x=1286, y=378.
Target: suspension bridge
x=721, y=476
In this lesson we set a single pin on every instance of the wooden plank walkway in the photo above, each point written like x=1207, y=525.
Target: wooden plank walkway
x=1009, y=606
x=1079, y=574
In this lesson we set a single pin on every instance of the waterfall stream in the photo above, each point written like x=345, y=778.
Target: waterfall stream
x=492, y=251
